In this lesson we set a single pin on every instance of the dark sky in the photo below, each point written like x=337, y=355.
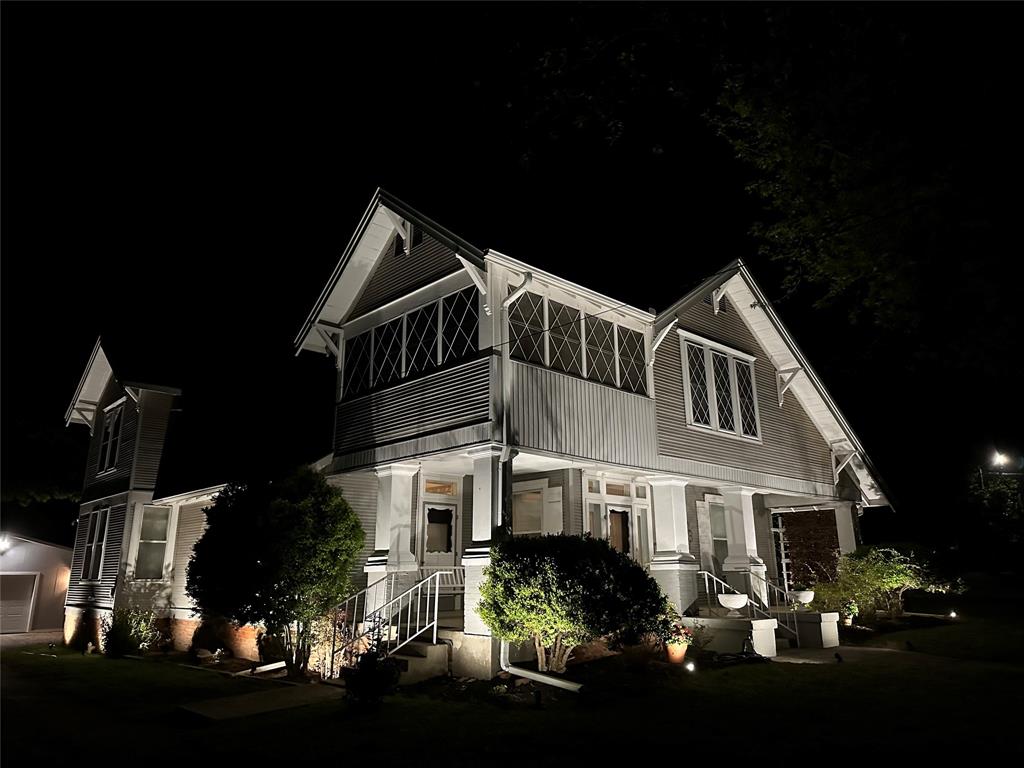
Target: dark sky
x=185, y=176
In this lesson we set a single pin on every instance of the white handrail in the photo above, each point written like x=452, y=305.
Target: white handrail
x=350, y=614
x=786, y=617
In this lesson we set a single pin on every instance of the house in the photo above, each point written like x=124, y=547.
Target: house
x=135, y=531
x=33, y=583
x=476, y=391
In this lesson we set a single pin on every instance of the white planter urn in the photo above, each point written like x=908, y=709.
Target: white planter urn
x=801, y=596
x=733, y=602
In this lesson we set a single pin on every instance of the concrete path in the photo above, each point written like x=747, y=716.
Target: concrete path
x=247, y=704
x=39, y=637
x=852, y=654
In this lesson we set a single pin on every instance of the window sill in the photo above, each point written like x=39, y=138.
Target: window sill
x=730, y=435
x=106, y=472
x=150, y=581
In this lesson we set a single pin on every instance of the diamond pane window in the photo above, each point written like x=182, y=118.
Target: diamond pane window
x=745, y=390
x=421, y=339
x=565, y=344
x=526, y=328
x=356, y=379
x=387, y=352
x=723, y=392
x=460, y=318
x=600, y=350
x=700, y=408
x=632, y=371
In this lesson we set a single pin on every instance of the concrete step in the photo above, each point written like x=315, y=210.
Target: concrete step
x=421, y=661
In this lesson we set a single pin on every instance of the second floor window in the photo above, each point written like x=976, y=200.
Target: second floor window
x=721, y=393
x=95, y=536
x=546, y=332
x=425, y=338
x=110, y=440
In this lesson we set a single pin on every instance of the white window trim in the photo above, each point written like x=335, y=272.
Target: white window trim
x=117, y=405
x=103, y=553
x=523, y=487
x=172, y=531
x=732, y=355
x=438, y=498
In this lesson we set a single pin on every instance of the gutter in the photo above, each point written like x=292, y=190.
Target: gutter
x=538, y=677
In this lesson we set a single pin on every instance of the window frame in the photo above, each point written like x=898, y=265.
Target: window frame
x=427, y=498
x=168, y=541
x=641, y=538
x=734, y=357
x=529, y=486
x=92, y=539
x=113, y=411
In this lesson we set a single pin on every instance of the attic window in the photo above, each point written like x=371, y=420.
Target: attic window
x=721, y=391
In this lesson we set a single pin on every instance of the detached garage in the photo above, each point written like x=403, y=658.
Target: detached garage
x=33, y=583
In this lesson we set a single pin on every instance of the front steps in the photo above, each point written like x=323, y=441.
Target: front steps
x=421, y=660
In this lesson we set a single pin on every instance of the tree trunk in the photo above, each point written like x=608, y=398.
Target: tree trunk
x=541, y=654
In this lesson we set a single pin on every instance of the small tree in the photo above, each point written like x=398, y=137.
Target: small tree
x=561, y=591
x=277, y=554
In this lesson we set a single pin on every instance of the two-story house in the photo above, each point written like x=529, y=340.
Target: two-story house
x=477, y=393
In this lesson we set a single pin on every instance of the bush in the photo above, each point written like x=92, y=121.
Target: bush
x=872, y=580
x=562, y=591
x=128, y=631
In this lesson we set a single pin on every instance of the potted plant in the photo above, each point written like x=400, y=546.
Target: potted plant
x=849, y=611
x=678, y=640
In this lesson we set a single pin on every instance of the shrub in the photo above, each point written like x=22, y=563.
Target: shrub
x=872, y=580
x=562, y=591
x=128, y=631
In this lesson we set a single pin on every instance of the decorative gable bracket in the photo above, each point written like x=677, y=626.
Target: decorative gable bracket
x=716, y=298
x=839, y=462
x=784, y=380
x=478, y=278
x=326, y=334
x=660, y=338
x=403, y=226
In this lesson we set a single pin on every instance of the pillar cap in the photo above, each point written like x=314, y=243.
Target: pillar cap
x=398, y=470
x=667, y=480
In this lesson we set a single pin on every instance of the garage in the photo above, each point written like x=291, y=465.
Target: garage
x=16, y=593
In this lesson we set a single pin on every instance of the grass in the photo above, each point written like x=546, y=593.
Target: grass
x=886, y=703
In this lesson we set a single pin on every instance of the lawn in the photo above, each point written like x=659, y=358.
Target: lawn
x=884, y=703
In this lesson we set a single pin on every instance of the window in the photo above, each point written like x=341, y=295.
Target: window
x=110, y=442
x=558, y=336
x=719, y=539
x=528, y=512
x=720, y=387
x=440, y=487
x=95, y=535
x=440, y=529
x=149, y=562
x=443, y=331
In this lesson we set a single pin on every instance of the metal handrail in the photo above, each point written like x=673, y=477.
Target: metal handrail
x=349, y=616
x=786, y=618
x=383, y=619
x=710, y=580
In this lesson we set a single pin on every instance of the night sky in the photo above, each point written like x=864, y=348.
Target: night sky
x=186, y=176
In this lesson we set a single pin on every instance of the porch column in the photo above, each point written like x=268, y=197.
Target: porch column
x=741, y=538
x=844, y=527
x=393, y=533
x=673, y=566
x=478, y=656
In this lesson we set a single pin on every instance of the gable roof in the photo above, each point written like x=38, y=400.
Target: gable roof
x=750, y=303
x=99, y=370
x=360, y=258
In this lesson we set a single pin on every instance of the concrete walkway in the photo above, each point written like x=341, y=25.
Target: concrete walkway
x=853, y=654
x=247, y=704
x=39, y=637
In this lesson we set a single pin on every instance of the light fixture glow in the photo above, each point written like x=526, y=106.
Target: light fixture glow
x=952, y=614
x=690, y=666
x=1000, y=459
x=5, y=543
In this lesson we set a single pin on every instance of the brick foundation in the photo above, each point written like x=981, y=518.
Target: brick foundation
x=241, y=641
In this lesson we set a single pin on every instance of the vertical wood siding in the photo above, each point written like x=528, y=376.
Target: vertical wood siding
x=360, y=491
x=154, y=413
x=99, y=594
x=399, y=273
x=445, y=400
x=790, y=446
x=555, y=412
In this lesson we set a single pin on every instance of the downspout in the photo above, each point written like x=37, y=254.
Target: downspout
x=538, y=677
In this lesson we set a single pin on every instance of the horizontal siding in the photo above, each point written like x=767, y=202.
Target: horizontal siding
x=399, y=273
x=790, y=446
x=99, y=593
x=442, y=401
x=563, y=414
x=155, y=410
x=117, y=480
x=191, y=526
x=360, y=491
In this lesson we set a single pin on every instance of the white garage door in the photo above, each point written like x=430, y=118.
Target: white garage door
x=16, y=602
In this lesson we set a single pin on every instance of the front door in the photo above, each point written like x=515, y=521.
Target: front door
x=440, y=528
x=618, y=529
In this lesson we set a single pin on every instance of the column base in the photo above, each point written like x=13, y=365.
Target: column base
x=676, y=575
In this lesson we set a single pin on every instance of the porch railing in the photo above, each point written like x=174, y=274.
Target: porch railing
x=714, y=586
x=776, y=601
x=453, y=577
x=350, y=614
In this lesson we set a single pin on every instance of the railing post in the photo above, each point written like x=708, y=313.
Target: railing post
x=436, y=590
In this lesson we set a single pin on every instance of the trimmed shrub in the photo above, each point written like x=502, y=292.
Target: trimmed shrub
x=562, y=591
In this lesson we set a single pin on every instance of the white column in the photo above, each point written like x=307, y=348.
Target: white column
x=673, y=566
x=844, y=527
x=742, y=540
x=393, y=533
x=486, y=492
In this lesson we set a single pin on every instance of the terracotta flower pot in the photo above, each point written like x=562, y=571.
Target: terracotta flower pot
x=676, y=652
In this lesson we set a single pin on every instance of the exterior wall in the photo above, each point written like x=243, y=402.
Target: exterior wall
x=52, y=565
x=398, y=273
x=812, y=541
x=563, y=414
x=190, y=528
x=100, y=593
x=790, y=446
x=117, y=479
x=154, y=414
x=572, y=502
x=443, y=401
x=360, y=491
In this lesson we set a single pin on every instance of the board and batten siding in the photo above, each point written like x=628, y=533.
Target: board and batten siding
x=452, y=398
x=398, y=273
x=791, y=446
x=360, y=491
x=154, y=414
x=99, y=593
x=563, y=414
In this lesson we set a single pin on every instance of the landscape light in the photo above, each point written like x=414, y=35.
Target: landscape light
x=690, y=666
x=999, y=459
x=952, y=614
